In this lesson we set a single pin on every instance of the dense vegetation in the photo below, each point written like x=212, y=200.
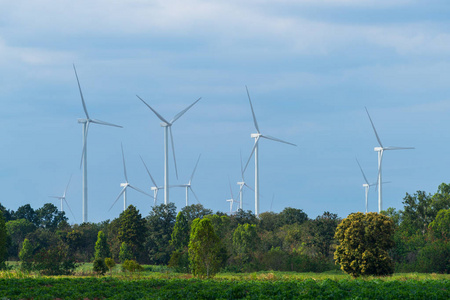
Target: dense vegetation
x=286, y=241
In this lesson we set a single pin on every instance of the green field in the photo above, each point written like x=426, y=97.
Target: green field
x=160, y=283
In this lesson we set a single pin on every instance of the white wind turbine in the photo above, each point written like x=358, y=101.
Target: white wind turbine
x=241, y=184
x=126, y=185
x=168, y=130
x=63, y=199
x=380, y=151
x=231, y=200
x=86, y=123
x=154, y=188
x=188, y=186
x=366, y=185
x=257, y=136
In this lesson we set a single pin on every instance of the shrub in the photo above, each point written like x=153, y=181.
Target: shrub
x=99, y=266
x=125, y=253
x=131, y=266
x=110, y=263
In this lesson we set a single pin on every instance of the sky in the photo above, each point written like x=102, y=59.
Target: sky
x=311, y=68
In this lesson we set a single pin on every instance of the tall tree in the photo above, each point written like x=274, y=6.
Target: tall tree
x=180, y=234
x=101, y=246
x=291, y=216
x=28, y=213
x=245, y=242
x=204, y=247
x=132, y=229
x=3, y=242
x=194, y=211
x=160, y=225
x=17, y=230
x=364, y=241
x=49, y=217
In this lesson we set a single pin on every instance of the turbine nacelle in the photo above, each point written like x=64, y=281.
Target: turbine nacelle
x=378, y=149
x=164, y=124
x=124, y=184
x=255, y=135
x=82, y=121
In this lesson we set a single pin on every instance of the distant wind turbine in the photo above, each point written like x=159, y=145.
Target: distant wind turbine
x=380, y=151
x=154, y=188
x=242, y=184
x=188, y=186
x=126, y=185
x=63, y=199
x=231, y=200
x=257, y=136
x=86, y=123
x=366, y=185
x=168, y=131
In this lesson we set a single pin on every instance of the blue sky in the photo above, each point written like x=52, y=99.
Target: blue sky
x=311, y=67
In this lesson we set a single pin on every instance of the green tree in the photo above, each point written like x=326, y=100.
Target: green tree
x=49, y=217
x=26, y=255
x=132, y=230
x=291, y=216
x=101, y=246
x=110, y=263
x=364, y=241
x=417, y=213
x=100, y=266
x=28, y=213
x=160, y=224
x=180, y=234
x=245, y=242
x=322, y=232
x=204, y=247
x=7, y=214
x=441, y=225
x=3, y=242
x=194, y=211
x=17, y=230
x=125, y=253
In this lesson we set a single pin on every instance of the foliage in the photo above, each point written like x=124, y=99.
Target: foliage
x=3, y=242
x=49, y=217
x=110, y=263
x=125, y=253
x=180, y=234
x=17, y=230
x=194, y=211
x=245, y=242
x=434, y=257
x=54, y=260
x=132, y=230
x=131, y=266
x=441, y=225
x=100, y=266
x=364, y=240
x=26, y=212
x=179, y=260
x=291, y=216
x=101, y=247
x=160, y=224
x=26, y=255
x=204, y=247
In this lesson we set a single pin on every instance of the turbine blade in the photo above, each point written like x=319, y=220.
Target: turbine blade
x=141, y=191
x=67, y=186
x=85, y=142
x=177, y=116
x=195, y=195
x=56, y=197
x=81, y=93
x=104, y=123
x=277, y=140
x=253, y=112
x=148, y=172
x=124, y=166
x=231, y=190
x=195, y=168
x=249, y=187
x=120, y=194
x=70, y=210
x=173, y=151
x=154, y=111
x=242, y=168
x=373, y=126
x=398, y=148
x=362, y=172
x=251, y=154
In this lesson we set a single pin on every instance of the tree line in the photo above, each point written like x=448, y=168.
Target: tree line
x=241, y=242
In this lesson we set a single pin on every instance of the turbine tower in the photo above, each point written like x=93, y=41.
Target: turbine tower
x=126, y=185
x=63, y=199
x=231, y=200
x=188, y=186
x=366, y=185
x=257, y=136
x=380, y=151
x=168, y=131
x=86, y=123
x=154, y=188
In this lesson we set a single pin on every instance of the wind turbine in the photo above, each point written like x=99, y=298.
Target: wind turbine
x=86, y=123
x=168, y=131
x=188, y=185
x=380, y=151
x=63, y=199
x=241, y=184
x=155, y=188
x=366, y=185
x=126, y=185
x=257, y=136
x=232, y=200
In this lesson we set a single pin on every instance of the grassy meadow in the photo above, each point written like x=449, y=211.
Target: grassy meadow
x=157, y=282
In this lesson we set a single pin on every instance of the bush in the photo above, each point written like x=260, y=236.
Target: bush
x=131, y=266
x=110, y=263
x=179, y=260
x=125, y=253
x=434, y=257
x=99, y=266
x=54, y=261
